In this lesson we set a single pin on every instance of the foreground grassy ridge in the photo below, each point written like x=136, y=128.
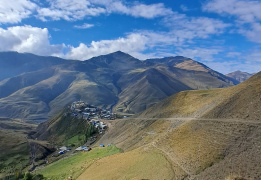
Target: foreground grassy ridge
x=75, y=165
x=241, y=101
x=197, y=149
x=141, y=163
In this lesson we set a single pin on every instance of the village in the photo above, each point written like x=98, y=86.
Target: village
x=93, y=115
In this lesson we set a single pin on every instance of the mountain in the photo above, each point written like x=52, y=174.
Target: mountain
x=202, y=134
x=239, y=75
x=14, y=63
x=241, y=101
x=194, y=134
x=37, y=88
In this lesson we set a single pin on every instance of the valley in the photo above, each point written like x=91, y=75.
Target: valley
x=169, y=118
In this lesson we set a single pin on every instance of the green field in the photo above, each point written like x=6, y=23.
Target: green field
x=73, y=166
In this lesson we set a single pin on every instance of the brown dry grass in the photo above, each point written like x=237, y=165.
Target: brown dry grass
x=241, y=101
x=142, y=163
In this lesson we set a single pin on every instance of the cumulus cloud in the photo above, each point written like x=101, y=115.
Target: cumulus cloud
x=84, y=26
x=133, y=43
x=28, y=39
x=13, y=11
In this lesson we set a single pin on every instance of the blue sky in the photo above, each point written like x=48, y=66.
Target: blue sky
x=223, y=34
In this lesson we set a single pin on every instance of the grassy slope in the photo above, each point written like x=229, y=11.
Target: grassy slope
x=202, y=148
x=76, y=164
x=14, y=149
x=241, y=101
x=141, y=163
x=63, y=129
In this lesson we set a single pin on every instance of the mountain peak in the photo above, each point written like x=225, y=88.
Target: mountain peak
x=120, y=54
x=239, y=75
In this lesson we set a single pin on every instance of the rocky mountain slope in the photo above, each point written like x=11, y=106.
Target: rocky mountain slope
x=37, y=88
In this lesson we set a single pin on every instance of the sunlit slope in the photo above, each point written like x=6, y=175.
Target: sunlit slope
x=241, y=101
x=200, y=140
x=203, y=149
x=74, y=165
x=143, y=163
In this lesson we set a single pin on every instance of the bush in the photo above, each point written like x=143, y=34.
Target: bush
x=29, y=176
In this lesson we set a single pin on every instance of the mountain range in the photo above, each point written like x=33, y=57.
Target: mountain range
x=37, y=88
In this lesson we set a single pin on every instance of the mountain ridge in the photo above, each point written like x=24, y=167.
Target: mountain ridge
x=115, y=81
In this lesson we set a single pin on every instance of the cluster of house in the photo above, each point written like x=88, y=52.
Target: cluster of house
x=99, y=125
x=86, y=111
x=65, y=149
x=94, y=116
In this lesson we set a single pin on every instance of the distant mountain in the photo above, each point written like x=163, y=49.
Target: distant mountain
x=14, y=63
x=37, y=88
x=239, y=75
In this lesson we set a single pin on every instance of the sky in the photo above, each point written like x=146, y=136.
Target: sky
x=223, y=34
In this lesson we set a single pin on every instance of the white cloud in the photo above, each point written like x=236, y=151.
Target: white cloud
x=133, y=43
x=13, y=11
x=203, y=54
x=189, y=28
x=134, y=9
x=28, y=39
x=253, y=34
x=141, y=10
x=246, y=10
x=69, y=10
x=84, y=26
